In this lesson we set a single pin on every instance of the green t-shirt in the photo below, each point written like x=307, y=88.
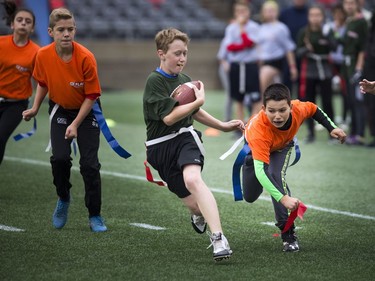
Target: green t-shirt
x=157, y=104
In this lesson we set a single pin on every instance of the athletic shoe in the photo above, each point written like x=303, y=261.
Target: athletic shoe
x=199, y=224
x=97, y=224
x=60, y=215
x=221, y=246
x=354, y=140
x=290, y=243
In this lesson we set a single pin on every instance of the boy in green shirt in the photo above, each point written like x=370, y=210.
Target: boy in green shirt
x=174, y=148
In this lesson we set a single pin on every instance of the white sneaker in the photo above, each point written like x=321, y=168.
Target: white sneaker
x=221, y=246
x=199, y=223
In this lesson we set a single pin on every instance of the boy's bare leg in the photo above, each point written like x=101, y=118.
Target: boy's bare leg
x=202, y=196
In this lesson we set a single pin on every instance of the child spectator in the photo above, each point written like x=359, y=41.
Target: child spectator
x=314, y=47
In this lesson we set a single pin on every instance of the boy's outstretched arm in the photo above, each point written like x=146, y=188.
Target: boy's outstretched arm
x=207, y=119
x=269, y=184
x=321, y=117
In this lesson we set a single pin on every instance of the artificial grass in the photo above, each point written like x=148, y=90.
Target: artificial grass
x=333, y=246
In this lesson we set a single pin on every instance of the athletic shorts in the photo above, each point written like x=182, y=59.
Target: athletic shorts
x=169, y=158
x=276, y=63
x=243, y=81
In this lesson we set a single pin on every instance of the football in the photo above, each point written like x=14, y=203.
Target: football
x=185, y=93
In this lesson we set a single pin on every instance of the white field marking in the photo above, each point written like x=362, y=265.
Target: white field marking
x=270, y=223
x=147, y=226
x=10, y=228
x=217, y=190
x=313, y=207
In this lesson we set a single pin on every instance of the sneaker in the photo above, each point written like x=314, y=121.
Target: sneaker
x=97, y=224
x=60, y=215
x=221, y=246
x=354, y=140
x=290, y=243
x=199, y=224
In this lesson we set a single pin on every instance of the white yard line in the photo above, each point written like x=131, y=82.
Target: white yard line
x=147, y=226
x=217, y=190
x=10, y=228
x=270, y=223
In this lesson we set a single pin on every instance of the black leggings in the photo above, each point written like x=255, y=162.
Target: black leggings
x=88, y=145
x=324, y=87
x=10, y=118
x=252, y=188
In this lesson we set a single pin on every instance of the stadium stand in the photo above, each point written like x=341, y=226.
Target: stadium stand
x=141, y=19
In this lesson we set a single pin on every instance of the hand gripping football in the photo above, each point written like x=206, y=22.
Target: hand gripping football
x=185, y=93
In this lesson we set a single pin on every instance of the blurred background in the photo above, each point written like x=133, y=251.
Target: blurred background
x=120, y=33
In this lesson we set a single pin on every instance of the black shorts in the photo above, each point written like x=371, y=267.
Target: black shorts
x=169, y=158
x=276, y=63
x=251, y=82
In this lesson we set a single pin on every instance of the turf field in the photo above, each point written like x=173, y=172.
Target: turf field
x=337, y=240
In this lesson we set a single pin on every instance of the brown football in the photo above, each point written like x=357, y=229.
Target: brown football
x=185, y=93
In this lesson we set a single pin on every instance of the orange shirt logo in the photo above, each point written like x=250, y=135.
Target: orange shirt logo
x=21, y=68
x=77, y=84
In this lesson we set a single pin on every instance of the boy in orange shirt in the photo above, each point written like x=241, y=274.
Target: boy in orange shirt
x=270, y=135
x=16, y=67
x=68, y=72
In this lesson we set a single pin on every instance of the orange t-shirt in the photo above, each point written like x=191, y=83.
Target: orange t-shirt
x=264, y=138
x=16, y=68
x=68, y=83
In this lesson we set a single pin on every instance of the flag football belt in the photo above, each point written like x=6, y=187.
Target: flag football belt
x=7, y=100
x=116, y=147
x=27, y=134
x=236, y=170
x=189, y=129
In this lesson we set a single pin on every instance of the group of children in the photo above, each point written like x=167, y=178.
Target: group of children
x=67, y=71
x=319, y=52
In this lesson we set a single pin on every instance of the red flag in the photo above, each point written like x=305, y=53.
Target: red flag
x=293, y=215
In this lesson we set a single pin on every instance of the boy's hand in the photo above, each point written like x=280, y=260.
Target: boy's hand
x=367, y=86
x=71, y=132
x=290, y=203
x=28, y=114
x=233, y=125
x=199, y=93
x=339, y=134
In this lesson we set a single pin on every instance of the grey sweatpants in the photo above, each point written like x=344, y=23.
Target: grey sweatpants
x=252, y=188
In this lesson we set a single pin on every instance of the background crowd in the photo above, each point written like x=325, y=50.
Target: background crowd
x=317, y=48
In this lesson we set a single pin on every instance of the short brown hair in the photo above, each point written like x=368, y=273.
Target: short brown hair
x=276, y=92
x=59, y=14
x=166, y=36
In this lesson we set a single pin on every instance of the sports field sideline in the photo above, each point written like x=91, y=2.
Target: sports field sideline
x=150, y=236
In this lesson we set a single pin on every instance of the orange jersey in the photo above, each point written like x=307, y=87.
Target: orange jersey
x=16, y=68
x=264, y=138
x=69, y=82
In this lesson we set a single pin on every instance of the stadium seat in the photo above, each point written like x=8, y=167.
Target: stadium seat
x=140, y=19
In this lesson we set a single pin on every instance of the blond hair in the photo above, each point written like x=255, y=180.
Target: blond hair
x=59, y=14
x=269, y=4
x=166, y=36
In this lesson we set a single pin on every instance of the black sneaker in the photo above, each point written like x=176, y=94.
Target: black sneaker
x=290, y=242
x=199, y=224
